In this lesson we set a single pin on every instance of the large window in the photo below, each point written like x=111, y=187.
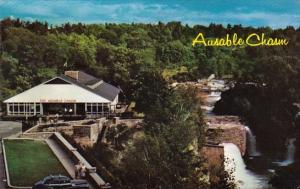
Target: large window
x=97, y=109
x=24, y=109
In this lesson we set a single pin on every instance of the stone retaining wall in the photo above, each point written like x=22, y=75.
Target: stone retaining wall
x=233, y=134
x=227, y=129
x=129, y=122
x=40, y=135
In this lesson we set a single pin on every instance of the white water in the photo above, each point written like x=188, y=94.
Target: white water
x=244, y=178
x=290, y=153
x=215, y=94
x=251, y=139
x=207, y=108
x=213, y=97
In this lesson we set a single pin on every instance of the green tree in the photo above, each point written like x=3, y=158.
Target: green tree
x=168, y=153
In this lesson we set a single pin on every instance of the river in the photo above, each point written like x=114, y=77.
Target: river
x=253, y=171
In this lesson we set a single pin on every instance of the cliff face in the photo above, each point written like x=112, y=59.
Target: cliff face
x=227, y=129
x=214, y=155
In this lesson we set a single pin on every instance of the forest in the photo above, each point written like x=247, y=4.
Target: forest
x=33, y=52
x=143, y=59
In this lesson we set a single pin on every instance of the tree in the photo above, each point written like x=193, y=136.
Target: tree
x=168, y=154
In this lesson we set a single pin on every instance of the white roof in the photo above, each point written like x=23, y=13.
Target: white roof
x=57, y=93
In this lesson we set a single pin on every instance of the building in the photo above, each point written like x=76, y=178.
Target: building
x=72, y=94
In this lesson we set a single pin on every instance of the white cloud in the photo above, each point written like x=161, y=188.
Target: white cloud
x=93, y=11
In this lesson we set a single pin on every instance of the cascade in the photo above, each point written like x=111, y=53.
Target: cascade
x=244, y=178
x=290, y=153
x=251, y=148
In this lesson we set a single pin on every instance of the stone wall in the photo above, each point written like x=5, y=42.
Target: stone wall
x=90, y=129
x=227, y=129
x=129, y=122
x=233, y=134
x=38, y=135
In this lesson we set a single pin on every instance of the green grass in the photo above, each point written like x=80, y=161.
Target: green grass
x=30, y=161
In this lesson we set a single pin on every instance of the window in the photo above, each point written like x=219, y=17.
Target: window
x=48, y=180
x=24, y=108
x=105, y=108
x=38, y=108
x=89, y=108
x=97, y=108
x=64, y=180
x=10, y=107
x=15, y=108
x=21, y=107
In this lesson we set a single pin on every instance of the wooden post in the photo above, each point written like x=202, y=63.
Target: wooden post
x=7, y=109
x=97, y=108
x=109, y=109
x=34, y=108
x=26, y=109
x=75, y=108
x=41, y=109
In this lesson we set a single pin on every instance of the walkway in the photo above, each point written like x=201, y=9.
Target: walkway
x=63, y=158
x=8, y=128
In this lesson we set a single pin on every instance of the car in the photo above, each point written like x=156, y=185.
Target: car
x=61, y=182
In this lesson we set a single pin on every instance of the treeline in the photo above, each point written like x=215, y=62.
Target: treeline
x=32, y=52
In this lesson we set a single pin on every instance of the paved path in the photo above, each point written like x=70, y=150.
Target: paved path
x=7, y=128
x=63, y=158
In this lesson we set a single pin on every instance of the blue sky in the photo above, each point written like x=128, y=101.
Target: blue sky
x=273, y=13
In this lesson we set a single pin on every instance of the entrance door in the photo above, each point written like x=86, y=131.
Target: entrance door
x=58, y=108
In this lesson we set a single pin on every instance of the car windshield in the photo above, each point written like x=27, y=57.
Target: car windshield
x=56, y=179
x=64, y=180
x=48, y=180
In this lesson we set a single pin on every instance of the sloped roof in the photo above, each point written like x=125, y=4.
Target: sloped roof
x=105, y=90
x=57, y=93
x=102, y=92
x=86, y=79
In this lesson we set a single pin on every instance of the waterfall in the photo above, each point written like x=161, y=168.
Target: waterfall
x=213, y=97
x=215, y=94
x=251, y=139
x=244, y=178
x=290, y=153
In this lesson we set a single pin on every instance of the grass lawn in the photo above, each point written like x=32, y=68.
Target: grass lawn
x=30, y=161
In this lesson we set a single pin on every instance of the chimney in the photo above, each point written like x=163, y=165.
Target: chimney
x=72, y=74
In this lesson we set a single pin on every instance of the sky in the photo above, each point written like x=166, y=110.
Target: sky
x=257, y=13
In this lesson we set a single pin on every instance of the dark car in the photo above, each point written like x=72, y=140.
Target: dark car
x=60, y=182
